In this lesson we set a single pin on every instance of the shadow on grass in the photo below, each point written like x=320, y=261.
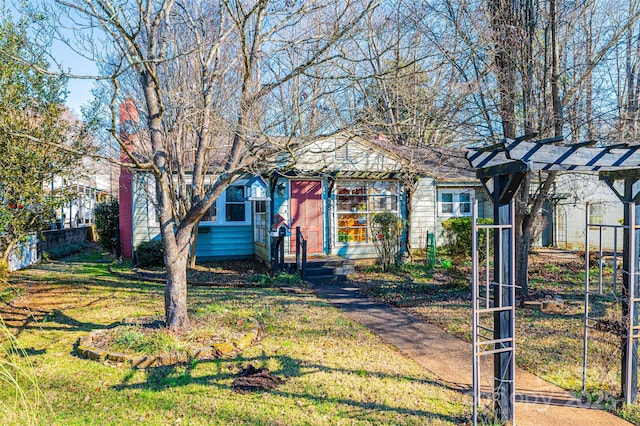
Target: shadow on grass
x=163, y=378
x=21, y=319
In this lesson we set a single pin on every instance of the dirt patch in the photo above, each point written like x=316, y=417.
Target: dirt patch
x=252, y=379
x=240, y=273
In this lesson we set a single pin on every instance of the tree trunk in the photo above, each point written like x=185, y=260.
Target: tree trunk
x=523, y=245
x=7, y=251
x=175, y=292
x=525, y=219
x=194, y=245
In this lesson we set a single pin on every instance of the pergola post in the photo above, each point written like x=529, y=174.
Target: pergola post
x=629, y=361
x=501, y=184
x=503, y=362
x=630, y=196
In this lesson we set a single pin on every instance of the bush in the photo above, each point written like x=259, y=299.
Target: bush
x=64, y=250
x=457, y=238
x=386, y=229
x=150, y=253
x=107, y=217
x=282, y=279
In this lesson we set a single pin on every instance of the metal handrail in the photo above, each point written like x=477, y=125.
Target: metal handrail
x=301, y=253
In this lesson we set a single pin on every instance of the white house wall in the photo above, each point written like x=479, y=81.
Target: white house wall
x=345, y=155
x=423, y=212
x=571, y=213
x=143, y=228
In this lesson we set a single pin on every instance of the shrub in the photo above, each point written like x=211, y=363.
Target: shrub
x=150, y=253
x=456, y=234
x=386, y=229
x=281, y=279
x=64, y=250
x=107, y=218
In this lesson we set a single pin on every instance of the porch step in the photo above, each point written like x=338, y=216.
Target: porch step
x=326, y=279
x=329, y=269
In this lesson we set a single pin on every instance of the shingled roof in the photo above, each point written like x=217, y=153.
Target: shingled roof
x=440, y=162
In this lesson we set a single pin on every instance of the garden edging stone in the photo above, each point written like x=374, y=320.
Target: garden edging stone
x=85, y=349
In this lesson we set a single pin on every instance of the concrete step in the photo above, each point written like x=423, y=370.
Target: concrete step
x=313, y=271
x=325, y=279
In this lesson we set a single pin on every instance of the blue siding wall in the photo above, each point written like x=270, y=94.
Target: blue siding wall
x=225, y=242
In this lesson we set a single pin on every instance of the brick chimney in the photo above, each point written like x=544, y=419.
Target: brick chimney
x=128, y=124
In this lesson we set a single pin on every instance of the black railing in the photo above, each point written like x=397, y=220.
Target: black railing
x=301, y=253
x=278, y=254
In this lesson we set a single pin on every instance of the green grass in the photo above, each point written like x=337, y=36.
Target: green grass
x=336, y=372
x=154, y=342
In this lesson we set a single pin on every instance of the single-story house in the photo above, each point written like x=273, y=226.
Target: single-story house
x=579, y=198
x=335, y=187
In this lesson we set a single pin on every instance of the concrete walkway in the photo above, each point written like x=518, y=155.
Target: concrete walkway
x=449, y=358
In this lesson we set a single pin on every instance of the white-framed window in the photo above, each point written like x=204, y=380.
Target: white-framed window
x=357, y=201
x=152, y=200
x=260, y=227
x=596, y=213
x=231, y=208
x=454, y=202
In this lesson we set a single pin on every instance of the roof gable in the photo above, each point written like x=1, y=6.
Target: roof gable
x=346, y=154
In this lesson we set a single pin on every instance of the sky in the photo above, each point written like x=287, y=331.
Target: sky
x=79, y=89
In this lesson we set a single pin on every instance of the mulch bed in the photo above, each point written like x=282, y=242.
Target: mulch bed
x=252, y=379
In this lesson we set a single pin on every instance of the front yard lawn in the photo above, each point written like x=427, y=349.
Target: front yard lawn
x=335, y=371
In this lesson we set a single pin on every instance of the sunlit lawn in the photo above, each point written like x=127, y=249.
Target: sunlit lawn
x=336, y=372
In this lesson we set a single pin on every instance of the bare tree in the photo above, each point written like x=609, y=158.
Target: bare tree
x=204, y=75
x=532, y=66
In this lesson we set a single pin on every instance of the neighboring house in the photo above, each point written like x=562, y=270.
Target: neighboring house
x=90, y=183
x=88, y=192
x=331, y=193
x=569, y=213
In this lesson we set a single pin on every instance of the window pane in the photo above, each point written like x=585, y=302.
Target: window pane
x=355, y=200
x=465, y=197
x=352, y=188
x=352, y=228
x=447, y=197
x=261, y=206
x=383, y=203
x=447, y=207
x=465, y=207
x=235, y=212
x=382, y=188
x=212, y=214
x=348, y=203
x=261, y=228
x=235, y=194
x=596, y=214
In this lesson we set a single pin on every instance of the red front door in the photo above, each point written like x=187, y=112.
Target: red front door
x=306, y=212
